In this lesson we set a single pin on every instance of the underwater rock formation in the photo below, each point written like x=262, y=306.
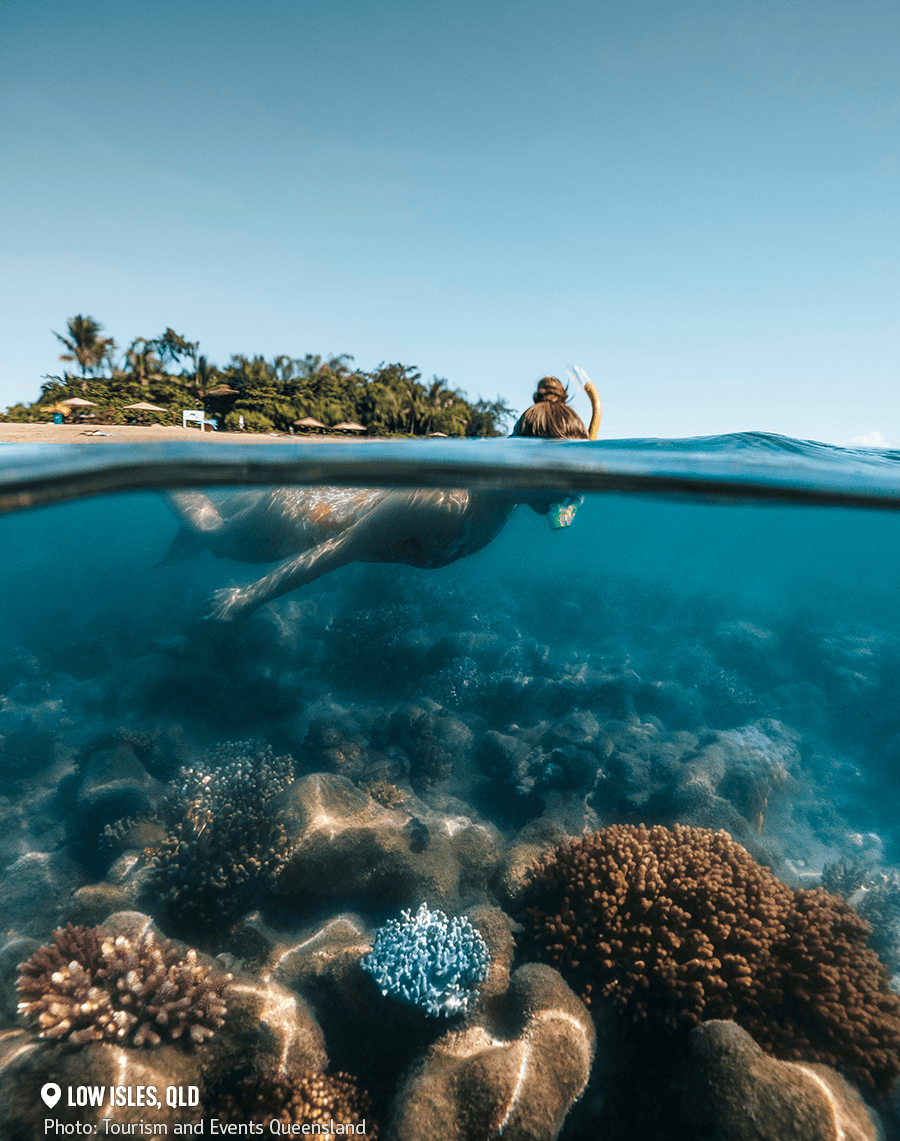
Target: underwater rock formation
x=92, y=985
x=340, y=842
x=513, y=1070
x=732, y=1091
x=680, y=926
x=429, y=961
x=114, y=784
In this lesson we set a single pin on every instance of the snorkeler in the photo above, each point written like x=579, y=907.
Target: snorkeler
x=312, y=531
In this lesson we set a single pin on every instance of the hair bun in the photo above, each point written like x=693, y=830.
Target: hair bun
x=550, y=390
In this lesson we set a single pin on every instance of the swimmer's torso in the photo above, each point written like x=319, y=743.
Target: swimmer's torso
x=425, y=527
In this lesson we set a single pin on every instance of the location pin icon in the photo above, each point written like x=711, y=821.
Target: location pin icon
x=50, y=1093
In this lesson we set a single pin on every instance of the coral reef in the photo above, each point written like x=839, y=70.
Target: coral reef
x=222, y=844
x=309, y=1098
x=91, y=985
x=681, y=926
x=513, y=1071
x=725, y=1072
x=114, y=783
x=429, y=961
x=385, y=793
x=266, y=1029
x=875, y=893
x=342, y=844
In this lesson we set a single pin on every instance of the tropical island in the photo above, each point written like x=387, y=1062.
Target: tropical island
x=156, y=379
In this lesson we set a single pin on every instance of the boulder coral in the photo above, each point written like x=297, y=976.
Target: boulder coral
x=679, y=926
x=514, y=1070
x=724, y=1073
x=340, y=842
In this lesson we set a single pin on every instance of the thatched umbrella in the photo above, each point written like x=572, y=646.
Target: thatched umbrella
x=143, y=406
x=220, y=400
x=76, y=402
x=349, y=426
x=309, y=422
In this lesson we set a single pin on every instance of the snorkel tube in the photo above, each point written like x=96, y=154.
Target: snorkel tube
x=563, y=514
x=581, y=378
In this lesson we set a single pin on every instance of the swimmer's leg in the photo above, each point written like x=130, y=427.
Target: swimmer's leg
x=379, y=536
x=234, y=603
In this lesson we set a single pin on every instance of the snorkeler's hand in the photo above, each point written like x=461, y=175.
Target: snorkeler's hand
x=226, y=605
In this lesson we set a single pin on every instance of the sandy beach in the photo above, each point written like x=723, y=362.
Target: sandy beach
x=150, y=433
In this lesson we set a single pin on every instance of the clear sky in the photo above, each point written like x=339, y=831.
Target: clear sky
x=697, y=202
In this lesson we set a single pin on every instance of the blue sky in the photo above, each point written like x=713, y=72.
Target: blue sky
x=696, y=202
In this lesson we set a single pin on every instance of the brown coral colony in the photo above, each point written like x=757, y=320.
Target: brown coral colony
x=92, y=985
x=309, y=1099
x=682, y=925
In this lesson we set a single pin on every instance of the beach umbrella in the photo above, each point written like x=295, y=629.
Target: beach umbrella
x=308, y=422
x=78, y=402
x=143, y=407
x=349, y=426
x=222, y=390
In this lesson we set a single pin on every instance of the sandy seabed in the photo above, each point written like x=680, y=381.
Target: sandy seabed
x=136, y=433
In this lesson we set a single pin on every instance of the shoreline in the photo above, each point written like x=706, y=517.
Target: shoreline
x=11, y=433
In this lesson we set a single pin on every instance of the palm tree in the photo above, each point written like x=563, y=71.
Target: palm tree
x=85, y=344
x=141, y=356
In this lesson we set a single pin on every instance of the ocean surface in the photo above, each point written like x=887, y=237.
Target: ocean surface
x=723, y=615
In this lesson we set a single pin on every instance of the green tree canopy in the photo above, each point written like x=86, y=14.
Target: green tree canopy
x=391, y=399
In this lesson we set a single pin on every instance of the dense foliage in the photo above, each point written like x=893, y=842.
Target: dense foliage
x=262, y=395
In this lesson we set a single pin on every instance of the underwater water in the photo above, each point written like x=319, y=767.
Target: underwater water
x=714, y=643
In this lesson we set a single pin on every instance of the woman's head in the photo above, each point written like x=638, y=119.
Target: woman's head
x=550, y=416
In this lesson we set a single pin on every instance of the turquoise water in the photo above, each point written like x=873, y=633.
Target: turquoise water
x=737, y=594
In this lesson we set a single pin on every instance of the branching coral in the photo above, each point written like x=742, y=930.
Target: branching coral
x=91, y=985
x=428, y=960
x=385, y=793
x=309, y=1098
x=222, y=843
x=875, y=894
x=682, y=925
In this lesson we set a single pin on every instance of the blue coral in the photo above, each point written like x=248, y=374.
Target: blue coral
x=429, y=961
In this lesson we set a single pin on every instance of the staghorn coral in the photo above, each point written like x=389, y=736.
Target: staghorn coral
x=428, y=960
x=308, y=1098
x=222, y=844
x=91, y=985
x=681, y=925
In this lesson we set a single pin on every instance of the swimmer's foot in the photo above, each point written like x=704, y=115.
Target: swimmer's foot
x=227, y=605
